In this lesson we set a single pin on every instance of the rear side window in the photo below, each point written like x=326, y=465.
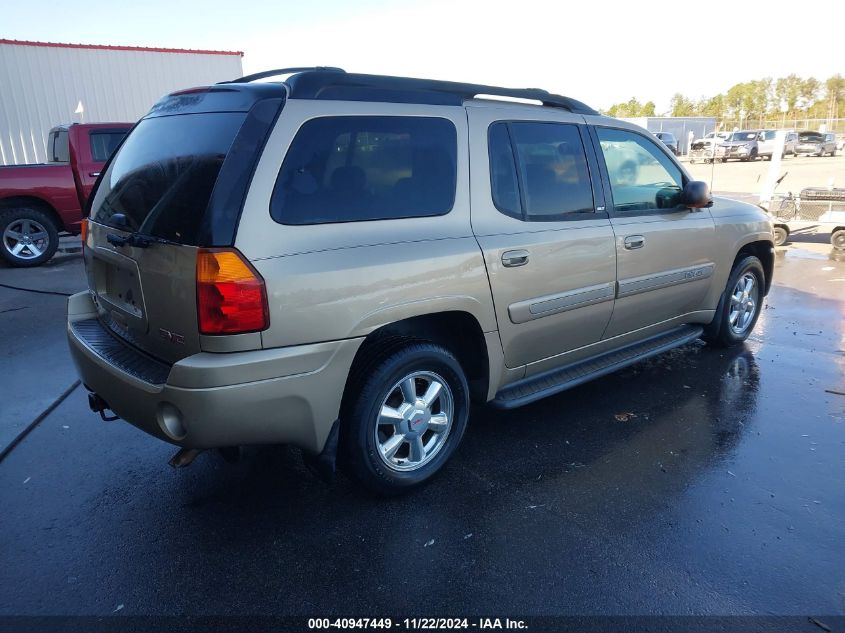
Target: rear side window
x=538, y=171
x=104, y=143
x=162, y=177
x=356, y=168
x=59, y=150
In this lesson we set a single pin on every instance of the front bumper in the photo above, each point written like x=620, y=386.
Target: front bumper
x=276, y=396
x=808, y=149
x=738, y=152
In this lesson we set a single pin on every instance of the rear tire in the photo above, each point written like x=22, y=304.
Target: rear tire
x=837, y=239
x=740, y=306
x=396, y=434
x=29, y=237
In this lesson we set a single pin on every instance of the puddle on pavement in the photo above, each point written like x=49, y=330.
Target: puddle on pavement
x=800, y=253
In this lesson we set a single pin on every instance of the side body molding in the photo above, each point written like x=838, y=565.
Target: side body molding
x=664, y=279
x=538, y=307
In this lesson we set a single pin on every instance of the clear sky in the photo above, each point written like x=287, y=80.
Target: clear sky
x=600, y=52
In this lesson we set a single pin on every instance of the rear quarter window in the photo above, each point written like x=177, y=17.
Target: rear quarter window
x=358, y=168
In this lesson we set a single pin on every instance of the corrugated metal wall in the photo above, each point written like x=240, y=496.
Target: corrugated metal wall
x=40, y=86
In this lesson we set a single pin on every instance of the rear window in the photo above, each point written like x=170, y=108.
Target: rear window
x=550, y=179
x=357, y=168
x=59, y=149
x=103, y=143
x=162, y=177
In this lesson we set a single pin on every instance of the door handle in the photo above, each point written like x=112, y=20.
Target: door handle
x=94, y=174
x=512, y=259
x=633, y=242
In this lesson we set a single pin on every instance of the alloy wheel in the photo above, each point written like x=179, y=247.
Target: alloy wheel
x=414, y=421
x=744, y=299
x=26, y=239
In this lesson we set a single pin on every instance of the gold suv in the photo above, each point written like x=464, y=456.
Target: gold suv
x=344, y=262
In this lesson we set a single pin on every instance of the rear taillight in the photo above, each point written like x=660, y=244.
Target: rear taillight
x=83, y=231
x=231, y=298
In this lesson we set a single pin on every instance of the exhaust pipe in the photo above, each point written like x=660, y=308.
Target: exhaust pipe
x=98, y=405
x=184, y=457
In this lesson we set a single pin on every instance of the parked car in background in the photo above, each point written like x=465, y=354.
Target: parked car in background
x=40, y=200
x=709, y=148
x=743, y=145
x=768, y=140
x=816, y=143
x=840, y=142
x=343, y=262
x=669, y=140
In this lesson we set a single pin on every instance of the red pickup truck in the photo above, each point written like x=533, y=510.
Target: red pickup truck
x=39, y=201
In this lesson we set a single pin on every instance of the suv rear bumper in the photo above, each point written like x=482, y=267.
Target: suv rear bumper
x=277, y=396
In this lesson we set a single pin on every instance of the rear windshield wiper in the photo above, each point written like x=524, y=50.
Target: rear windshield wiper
x=135, y=239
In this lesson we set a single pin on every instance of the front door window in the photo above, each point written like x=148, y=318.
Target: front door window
x=642, y=177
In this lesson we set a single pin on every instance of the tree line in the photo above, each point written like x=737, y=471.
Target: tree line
x=791, y=97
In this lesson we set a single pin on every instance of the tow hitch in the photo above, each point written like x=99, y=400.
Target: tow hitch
x=98, y=405
x=184, y=457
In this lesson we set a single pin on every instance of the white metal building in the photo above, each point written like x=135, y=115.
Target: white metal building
x=42, y=85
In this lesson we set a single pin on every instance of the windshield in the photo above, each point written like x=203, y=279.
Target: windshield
x=162, y=177
x=810, y=136
x=743, y=136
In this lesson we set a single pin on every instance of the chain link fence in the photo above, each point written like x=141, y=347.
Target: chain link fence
x=782, y=122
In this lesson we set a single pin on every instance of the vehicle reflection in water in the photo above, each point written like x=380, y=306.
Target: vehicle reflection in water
x=836, y=255
x=633, y=438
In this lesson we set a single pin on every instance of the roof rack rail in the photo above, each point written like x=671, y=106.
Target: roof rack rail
x=334, y=84
x=282, y=71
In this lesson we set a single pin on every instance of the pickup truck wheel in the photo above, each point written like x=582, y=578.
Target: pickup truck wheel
x=404, y=418
x=29, y=237
x=781, y=235
x=740, y=306
x=837, y=240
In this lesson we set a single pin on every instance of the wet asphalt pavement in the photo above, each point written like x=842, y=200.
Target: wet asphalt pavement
x=700, y=482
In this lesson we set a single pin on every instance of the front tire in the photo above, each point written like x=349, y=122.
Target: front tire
x=780, y=235
x=404, y=415
x=837, y=240
x=740, y=307
x=29, y=237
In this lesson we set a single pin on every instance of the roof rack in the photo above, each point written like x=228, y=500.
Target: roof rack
x=335, y=84
x=282, y=71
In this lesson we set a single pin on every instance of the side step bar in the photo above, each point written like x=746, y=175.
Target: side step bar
x=551, y=382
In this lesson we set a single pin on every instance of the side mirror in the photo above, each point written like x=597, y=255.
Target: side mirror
x=696, y=195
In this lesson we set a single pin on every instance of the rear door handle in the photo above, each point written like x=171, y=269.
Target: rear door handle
x=512, y=259
x=633, y=242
